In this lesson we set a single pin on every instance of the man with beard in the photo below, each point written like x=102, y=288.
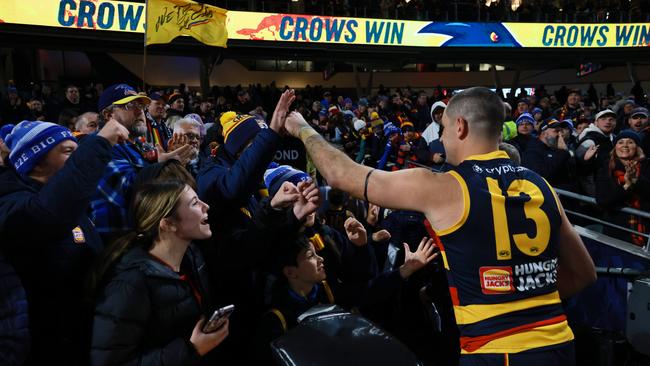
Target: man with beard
x=109, y=205
x=548, y=155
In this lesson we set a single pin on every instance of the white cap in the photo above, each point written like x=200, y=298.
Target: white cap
x=359, y=124
x=604, y=113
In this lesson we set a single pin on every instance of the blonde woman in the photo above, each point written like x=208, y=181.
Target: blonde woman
x=153, y=287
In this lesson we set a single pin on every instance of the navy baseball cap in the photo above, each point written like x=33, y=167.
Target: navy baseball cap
x=156, y=96
x=549, y=123
x=119, y=94
x=568, y=123
x=640, y=110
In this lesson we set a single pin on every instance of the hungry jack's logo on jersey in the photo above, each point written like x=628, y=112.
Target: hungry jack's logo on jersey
x=496, y=280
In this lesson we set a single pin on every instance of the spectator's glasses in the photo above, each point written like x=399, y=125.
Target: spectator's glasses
x=133, y=106
x=193, y=137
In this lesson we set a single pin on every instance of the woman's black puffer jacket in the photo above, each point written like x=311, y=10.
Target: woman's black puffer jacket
x=146, y=312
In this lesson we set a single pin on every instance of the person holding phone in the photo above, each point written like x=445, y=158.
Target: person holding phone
x=153, y=287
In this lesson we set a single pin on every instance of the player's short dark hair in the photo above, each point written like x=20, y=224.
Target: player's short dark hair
x=481, y=108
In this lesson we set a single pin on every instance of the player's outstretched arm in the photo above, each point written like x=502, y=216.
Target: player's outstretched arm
x=411, y=189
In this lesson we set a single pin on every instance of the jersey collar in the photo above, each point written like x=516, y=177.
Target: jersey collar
x=497, y=154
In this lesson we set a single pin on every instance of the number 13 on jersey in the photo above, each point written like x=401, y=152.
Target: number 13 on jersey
x=532, y=246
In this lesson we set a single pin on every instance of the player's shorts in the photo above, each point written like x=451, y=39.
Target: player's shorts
x=558, y=355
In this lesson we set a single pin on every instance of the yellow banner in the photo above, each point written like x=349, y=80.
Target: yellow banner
x=125, y=16
x=168, y=19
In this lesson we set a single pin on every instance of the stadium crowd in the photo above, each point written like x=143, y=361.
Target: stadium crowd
x=126, y=217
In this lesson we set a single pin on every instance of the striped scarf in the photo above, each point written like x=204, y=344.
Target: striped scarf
x=634, y=222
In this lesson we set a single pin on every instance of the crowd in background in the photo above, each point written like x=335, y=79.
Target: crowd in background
x=127, y=217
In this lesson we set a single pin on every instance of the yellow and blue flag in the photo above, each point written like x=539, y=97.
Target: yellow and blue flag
x=168, y=19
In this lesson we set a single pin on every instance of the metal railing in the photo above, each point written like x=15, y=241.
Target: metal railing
x=592, y=201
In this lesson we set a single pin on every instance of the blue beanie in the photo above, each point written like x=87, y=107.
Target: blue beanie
x=276, y=174
x=5, y=130
x=390, y=129
x=29, y=141
x=628, y=134
x=526, y=117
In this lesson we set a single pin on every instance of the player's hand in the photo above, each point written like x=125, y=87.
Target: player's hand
x=294, y=122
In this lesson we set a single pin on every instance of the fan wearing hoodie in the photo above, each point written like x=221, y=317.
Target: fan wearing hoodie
x=594, y=145
x=432, y=132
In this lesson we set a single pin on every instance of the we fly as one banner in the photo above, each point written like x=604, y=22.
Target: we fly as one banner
x=168, y=19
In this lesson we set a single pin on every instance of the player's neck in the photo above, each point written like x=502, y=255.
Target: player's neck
x=474, y=147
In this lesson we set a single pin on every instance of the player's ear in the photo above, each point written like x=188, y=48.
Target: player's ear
x=462, y=128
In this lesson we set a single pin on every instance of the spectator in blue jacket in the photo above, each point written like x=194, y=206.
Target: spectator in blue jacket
x=229, y=184
x=45, y=233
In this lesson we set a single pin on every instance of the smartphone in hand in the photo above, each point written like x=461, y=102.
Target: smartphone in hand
x=218, y=318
